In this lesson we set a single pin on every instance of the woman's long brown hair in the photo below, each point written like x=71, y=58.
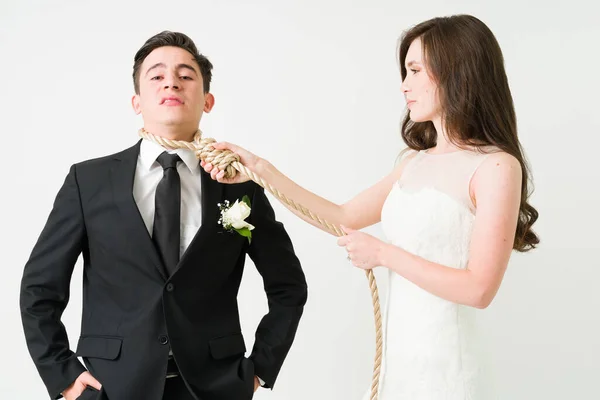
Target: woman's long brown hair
x=464, y=59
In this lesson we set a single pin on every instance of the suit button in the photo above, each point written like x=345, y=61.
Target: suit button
x=163, y=339
x=170, y=287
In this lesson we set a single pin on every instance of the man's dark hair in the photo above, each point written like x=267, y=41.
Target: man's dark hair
x=175, y=39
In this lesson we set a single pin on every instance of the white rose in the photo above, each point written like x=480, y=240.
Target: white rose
x=236, y=215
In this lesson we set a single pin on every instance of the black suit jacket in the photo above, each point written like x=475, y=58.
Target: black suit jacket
x=133, y=312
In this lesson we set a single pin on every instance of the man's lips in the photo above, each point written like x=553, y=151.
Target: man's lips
x=171, y=101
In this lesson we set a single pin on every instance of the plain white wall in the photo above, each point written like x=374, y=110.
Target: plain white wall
x=314, y=87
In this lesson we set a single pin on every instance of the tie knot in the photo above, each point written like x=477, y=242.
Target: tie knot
x=167, y=160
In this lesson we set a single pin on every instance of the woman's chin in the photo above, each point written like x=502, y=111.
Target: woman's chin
x=419, y=117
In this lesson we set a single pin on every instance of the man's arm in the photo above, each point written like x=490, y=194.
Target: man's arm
x=285, y=285
x=45, y=289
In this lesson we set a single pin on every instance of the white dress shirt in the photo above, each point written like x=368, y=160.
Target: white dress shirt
x=148, y=174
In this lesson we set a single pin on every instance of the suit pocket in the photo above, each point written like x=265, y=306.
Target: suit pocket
x=89, y=393
x=106, y=347
x=227, y=346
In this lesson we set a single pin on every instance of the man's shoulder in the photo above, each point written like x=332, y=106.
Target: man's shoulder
x=107, y=160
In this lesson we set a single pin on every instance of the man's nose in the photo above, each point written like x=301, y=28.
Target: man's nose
x=171, y=82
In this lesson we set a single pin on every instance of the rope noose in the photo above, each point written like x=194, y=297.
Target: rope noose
x=230, y=163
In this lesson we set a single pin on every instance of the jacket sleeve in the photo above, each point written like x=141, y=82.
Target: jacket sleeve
x=45, y=289
x=272, y=252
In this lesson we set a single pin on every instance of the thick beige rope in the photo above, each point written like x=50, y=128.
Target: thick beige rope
x=230, y=163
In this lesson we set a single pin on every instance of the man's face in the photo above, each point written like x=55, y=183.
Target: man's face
x=171, y=93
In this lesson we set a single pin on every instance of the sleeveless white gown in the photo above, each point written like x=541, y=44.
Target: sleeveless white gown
x=432, y=348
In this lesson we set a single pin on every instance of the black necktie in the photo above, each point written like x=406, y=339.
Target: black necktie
x=167, y=211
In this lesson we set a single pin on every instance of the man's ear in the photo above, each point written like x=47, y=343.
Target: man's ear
x=135, y=103
x=209, y=102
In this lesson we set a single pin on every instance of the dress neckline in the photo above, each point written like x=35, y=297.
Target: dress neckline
x=442, y=154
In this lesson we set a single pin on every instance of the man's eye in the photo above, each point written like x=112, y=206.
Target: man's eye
x=187, y=77
x=155, y=78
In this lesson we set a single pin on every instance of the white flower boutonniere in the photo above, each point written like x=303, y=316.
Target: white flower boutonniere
x=233, y=216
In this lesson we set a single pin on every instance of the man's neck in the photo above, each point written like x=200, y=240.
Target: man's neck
x=173, y=133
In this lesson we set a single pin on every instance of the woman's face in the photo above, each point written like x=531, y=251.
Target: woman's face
x=420, y=91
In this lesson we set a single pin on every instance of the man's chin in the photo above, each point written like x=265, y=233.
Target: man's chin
x=175, y=122
x=181, y=129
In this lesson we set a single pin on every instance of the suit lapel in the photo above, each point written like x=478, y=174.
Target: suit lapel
x=122, y=175
x=212, y=194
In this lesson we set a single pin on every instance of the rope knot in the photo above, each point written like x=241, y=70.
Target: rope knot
x=203, y=149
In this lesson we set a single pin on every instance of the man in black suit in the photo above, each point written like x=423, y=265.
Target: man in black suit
x=161, y=274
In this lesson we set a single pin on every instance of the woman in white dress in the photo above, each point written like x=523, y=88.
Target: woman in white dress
x=453, y=209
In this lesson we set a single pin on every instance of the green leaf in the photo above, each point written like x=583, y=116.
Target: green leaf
x=245, y=232
x=246, y=200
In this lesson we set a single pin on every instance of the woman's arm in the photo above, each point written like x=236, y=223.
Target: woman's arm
x=497, y=189
x=361, y=211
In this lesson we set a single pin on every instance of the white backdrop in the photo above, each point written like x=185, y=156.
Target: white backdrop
x=314, y=87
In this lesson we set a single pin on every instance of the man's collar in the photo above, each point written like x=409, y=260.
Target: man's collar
x=149, y=152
